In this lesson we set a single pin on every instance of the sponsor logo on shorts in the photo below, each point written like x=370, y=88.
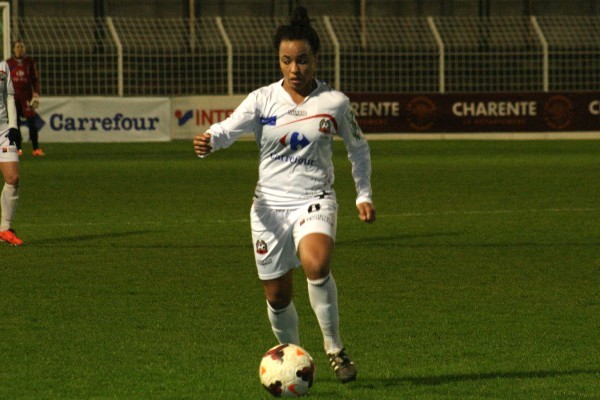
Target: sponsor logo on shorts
x=266, y=261
x=314, y=207
x=318, y=217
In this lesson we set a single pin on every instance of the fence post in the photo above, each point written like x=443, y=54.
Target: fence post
x=440, y=43
x=336, y=47
x=229, y=47
x=544, y=42
x=117, y=40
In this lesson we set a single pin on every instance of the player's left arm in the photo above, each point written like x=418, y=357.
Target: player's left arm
x=366, y=212
x=35, y=84
x=359, y=155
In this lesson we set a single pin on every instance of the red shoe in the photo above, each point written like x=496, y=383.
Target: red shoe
x=38, y=153
x=9, y=237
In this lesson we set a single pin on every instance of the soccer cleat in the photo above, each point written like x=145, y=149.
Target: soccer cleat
x=342, y=365
x=38, y=153
x=9, y=237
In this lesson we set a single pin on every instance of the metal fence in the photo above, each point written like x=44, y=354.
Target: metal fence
x=234, y=55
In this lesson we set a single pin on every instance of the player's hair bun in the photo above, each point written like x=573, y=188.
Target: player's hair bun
x=300, y=17
x=299, y=28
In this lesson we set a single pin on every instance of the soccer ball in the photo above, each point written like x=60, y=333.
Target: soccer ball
x=287, y=370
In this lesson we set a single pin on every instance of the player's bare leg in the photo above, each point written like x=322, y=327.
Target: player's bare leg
x=280, y=308
x=315, y=254
x=9, y=199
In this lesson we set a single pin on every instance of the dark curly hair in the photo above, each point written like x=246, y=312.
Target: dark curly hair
x=299, y=28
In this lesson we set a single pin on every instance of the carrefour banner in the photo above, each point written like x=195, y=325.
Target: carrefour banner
x=195, y=114
x=104, y=119
x=477, y=112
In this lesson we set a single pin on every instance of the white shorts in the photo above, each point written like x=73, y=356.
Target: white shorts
x=276, y=233
x=8, y=153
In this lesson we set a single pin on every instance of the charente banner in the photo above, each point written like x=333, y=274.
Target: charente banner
x=477, y=112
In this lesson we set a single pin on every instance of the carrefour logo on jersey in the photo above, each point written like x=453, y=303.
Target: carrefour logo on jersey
x=295, y=141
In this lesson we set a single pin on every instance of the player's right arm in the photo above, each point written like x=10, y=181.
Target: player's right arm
x=224, y=133
x=202, y=145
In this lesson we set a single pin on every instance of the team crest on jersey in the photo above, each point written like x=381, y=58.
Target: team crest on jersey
x=261, y=247
x=295, y=141
x=325, y=126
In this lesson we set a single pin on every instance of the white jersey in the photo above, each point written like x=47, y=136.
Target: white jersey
x=8, y=115
x=295, y=142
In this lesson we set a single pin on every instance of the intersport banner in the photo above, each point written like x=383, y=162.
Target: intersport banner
x=477, y=113
x=192, y=115
x=104, y=119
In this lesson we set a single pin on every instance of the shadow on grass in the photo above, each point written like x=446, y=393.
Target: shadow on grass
x=66, y=240
x=452, y=378
x=112, y=239
x=399, y=241
x=392, y=240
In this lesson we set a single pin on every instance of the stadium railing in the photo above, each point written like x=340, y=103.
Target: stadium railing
x=234, y=55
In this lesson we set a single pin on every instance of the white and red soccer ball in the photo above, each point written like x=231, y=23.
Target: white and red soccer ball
x=287, y=370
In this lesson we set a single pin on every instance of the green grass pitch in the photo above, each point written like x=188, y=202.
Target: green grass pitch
x=480, y=279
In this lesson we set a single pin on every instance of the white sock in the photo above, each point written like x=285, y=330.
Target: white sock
x=284, y=323
x=323, y=299
x=8, y=200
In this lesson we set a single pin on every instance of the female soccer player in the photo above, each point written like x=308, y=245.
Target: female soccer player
x=294, y=213
x=9, y=159
x=26, y=82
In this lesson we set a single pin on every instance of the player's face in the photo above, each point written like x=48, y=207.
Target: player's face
x=19, y=49
x=297, y=62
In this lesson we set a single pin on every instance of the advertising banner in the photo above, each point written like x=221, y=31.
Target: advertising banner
x=195, y=114
x=104, y=119
x=477, y=112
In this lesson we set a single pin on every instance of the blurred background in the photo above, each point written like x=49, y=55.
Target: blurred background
x=218, y=47
x=373, y=8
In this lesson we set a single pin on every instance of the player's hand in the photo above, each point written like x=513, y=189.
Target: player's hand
x=202, y=145
x=13, y=136
x=366, y=212
x=35, y=101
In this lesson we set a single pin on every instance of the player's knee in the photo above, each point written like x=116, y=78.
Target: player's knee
x=315, y=274
x=316, y=264
x=279, y=303
x=278, y=296
x=12, y=179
